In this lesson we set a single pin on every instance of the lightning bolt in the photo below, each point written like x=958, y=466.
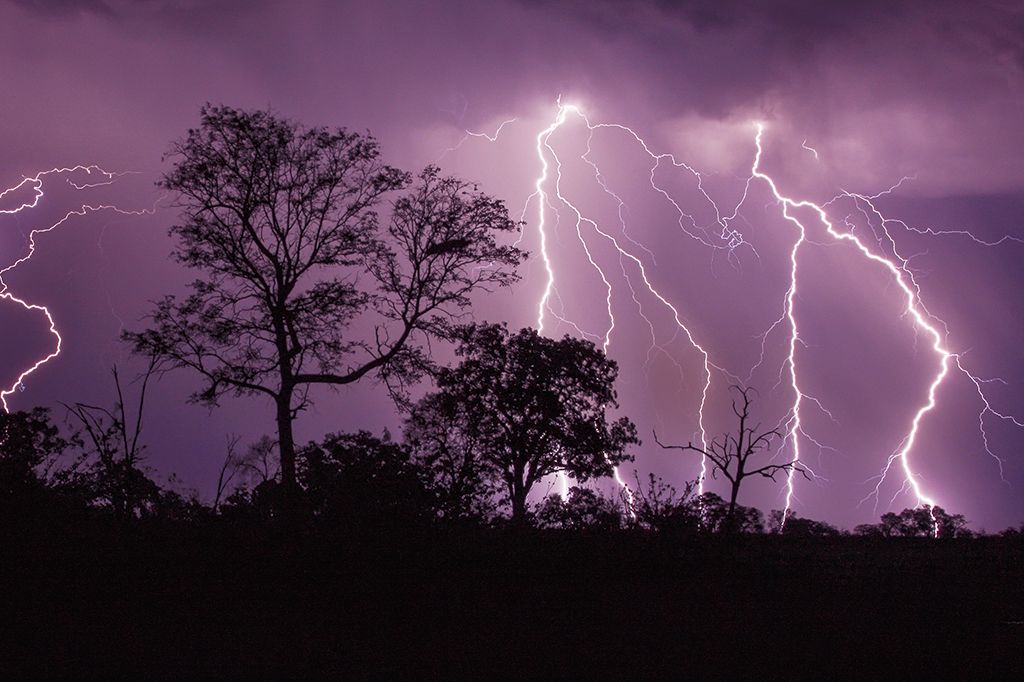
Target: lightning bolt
x=729, y=239
x=467, y=134
x=36, y=184
x=803, y=145
x=899, y=268
x=635, y=261
x=904, y=264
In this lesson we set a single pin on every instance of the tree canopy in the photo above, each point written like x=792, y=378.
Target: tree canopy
x=525, y=407
x=302, y=281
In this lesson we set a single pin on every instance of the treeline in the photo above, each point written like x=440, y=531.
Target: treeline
x=361, y=483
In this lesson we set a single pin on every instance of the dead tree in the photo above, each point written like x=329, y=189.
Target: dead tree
x=115, y=478
x=730, y=454
x=250, y=468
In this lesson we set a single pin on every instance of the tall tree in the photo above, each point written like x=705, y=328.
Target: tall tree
x=282, y=222
x=731, y=453
x=530, y=407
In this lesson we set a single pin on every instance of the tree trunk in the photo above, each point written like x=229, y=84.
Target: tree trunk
x=518, y=497
x=286, y=450
x=730, y=517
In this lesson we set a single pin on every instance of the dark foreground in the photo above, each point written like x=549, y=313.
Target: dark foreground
x=166, y=603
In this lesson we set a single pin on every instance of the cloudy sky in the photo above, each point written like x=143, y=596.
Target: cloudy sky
x=853, y=97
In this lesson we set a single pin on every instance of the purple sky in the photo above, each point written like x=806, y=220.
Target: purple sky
x=880, y=90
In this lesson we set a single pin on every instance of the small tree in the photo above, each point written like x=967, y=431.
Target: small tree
x=716, y=516
x=247, y=470
x=788, y=523
x=583, y=510
x=282, y=222
x=868, y=530
x=358, y=479
x=444, y=441
x=660, y=507
x=731, y=453
x=29, y=445
x=109, y=474
x=924, y=521
x=528, y=407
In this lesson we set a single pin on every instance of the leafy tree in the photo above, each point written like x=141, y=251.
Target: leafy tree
x=949, y=525
x=731, y=453
x=1013, y=532
x=247, y=469
x=356, y=477
x=443, y=439
x=261, y=501
x=924, y=521
x=583, y=510
x=797, y=526
x=282, y=222
x=868, y=530
x=528, y=406
x=718, y=516
x=29, y=445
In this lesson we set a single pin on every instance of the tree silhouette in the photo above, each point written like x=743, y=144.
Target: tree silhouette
x=718, y=516
x=29, y=445
x=923, y=521
x=661, y=508
x=731, y=453
x=788, y=523
x=250, y=468
x=583, y=511
x=529, y=407
x=443, y=439
x=362, y=480
x=282, y=222
x=108, y=473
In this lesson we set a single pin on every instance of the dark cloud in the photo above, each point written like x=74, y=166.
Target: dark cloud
x=62, y=8
x=148, y=14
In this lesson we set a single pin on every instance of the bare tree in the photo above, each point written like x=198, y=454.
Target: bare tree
x=228, y=468
x=660, y=507
x=282, y=222
x=252, y=467
x=115, y=478
x=731, y=453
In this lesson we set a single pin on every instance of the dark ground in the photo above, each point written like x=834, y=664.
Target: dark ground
x=161, y=602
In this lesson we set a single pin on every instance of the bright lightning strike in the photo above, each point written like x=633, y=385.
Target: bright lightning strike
x=902, y=453
x=803, y=145
x=899, y=268
x=467, y=134
x=635, y=261
x=36, y=183
x=986, y=405
x=731, y=239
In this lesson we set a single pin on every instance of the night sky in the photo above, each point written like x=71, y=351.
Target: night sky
x=854, y=97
